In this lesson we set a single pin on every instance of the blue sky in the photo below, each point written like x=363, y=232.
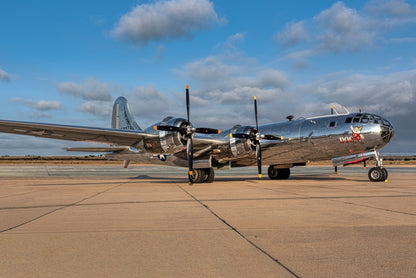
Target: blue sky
x=66, y=62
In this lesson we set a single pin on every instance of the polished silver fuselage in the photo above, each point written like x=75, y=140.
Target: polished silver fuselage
x=320, y=138
x=304, y=140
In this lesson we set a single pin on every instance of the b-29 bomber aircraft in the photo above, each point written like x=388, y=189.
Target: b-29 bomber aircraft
x=345, y=138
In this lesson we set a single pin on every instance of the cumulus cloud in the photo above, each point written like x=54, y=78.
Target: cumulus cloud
x=101, y=109
x=4, y=75
x=165, y=20
x=147, y=102
x=343, y=29
x=293, y=34
x=210, y=69
x=224, y=88
x=90, y=89
x=41, y=105
x=391, y=8
x=391, y=95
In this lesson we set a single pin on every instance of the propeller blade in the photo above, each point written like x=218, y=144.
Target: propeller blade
x=258, y=157
x=190, y=156
x=168, y=128
x=255, y=113
x=271, y=137
x=207, y=130
x=187, y=102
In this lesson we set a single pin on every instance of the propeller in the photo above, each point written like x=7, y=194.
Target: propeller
x=188, y=132
x=256, y=137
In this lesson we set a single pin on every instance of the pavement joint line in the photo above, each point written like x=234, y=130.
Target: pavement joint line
x=339, y=199
x=332, y=198
x=62, y=207
x=372, y=207
x=238, y=232
x=116, y=231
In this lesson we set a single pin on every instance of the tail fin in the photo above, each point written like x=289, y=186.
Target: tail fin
x=122, y=119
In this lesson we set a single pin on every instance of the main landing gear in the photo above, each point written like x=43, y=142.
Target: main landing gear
x=205, y=175
x=378, y=173
x=278, y=174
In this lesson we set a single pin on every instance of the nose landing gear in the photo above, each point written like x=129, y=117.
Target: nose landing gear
x=378, y=173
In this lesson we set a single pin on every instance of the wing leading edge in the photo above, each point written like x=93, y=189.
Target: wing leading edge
x=76, y=133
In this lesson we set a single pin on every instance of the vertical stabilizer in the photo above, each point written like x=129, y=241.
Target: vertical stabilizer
x=122, y=119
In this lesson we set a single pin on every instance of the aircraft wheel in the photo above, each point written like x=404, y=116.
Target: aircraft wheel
x=285, y=173
x=197, y=176
x=273, y=173
x=208, y=175
x=385, y=173
x=377, y=174
x=278, y=174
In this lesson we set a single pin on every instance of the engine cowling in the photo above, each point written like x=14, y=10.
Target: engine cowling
x=173, y=142
x=240, y=146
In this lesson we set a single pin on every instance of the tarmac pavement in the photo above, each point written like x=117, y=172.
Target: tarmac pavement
x=106, y=221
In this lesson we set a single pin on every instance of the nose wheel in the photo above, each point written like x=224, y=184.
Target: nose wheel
x=378, y=173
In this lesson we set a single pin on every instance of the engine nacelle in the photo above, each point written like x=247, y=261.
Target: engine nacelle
x=242, y=147
x=172, y=142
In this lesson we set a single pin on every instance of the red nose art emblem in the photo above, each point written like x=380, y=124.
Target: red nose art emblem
x=355, y=137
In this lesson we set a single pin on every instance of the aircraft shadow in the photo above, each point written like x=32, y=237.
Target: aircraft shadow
x=156, y=179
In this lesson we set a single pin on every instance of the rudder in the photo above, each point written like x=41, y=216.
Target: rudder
x=122, y=119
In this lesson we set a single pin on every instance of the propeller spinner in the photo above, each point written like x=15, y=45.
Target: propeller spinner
x=188, y=132
x=256, y=137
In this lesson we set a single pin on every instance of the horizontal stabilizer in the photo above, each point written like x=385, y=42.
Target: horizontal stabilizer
x=98, y=150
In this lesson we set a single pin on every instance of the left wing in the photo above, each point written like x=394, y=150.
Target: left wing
x=76, y=133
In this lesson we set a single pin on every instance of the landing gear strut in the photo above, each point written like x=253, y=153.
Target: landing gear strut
x=378, y=173
x=205, y=175
x=278, y=174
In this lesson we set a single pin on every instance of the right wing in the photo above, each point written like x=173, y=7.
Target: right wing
x=76, y=133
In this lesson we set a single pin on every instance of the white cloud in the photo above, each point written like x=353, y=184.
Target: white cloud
x=293, y=34
x=226, y=86
x=151, y=105
x=393, y=8
x=42, y=105
x=97, y=108
x=391, y=95
x=344, y=29
x=210, y=69
x=90, y=89
x=4, y=75
x=165, y=20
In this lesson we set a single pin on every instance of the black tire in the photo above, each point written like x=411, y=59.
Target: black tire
x=284, y=173
x=376, y=174
x=273, y=173
x=278, y=174
x=208, y=175
x=197, y=176
x=385, y=174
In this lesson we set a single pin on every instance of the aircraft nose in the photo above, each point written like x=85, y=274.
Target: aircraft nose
x=387, y=130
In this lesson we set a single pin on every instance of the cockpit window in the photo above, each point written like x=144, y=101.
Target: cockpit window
x=332, y=124
x=377, y=119
x=367, y=118
x=364, y=119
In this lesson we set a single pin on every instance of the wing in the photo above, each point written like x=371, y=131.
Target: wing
x=76, y=133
